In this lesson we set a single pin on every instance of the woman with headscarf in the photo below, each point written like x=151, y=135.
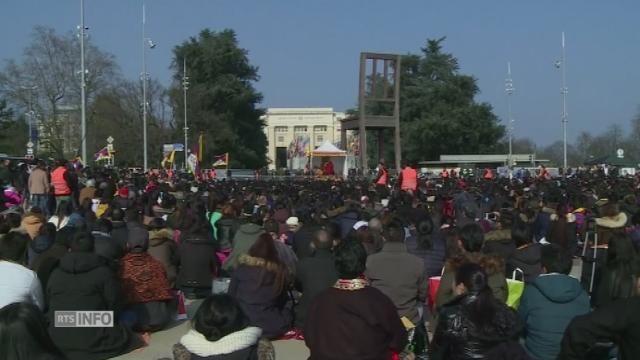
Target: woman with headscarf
x=147, y=293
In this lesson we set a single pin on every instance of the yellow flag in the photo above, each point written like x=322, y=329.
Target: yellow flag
x=200, y=146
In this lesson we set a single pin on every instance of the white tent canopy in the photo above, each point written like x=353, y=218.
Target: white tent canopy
x=328, y=149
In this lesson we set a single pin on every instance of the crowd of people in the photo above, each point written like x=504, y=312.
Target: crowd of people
x=358, y=269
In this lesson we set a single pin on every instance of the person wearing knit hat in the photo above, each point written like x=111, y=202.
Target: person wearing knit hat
x=611, y=220
x=122, y=201
x=146, y=289
x=88, y=192
x=293, y=223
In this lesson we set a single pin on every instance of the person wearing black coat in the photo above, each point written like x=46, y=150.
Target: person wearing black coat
x=119, y=231
x=137, y=234
x=198, y=263
x=347, y=219
x=498, y=242
x=83, y=281
x=527, y=256
x=352, y=320
x=314, y=274
x=49, y=259
x=527, y=259
x=617, y=322
x=226, y=229
x=41, y=243
x=302, y=241
x=429, y=245
x=618, y=278
x=105, y=246
x=474, y=324
x=259, y=284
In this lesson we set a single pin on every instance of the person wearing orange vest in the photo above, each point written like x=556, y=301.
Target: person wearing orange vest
x=408, y=179
x=383, y=175
x=382, y=180
x=59, y=182
x=543, y=173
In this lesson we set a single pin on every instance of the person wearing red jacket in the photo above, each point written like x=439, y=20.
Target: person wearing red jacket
x=328, y=168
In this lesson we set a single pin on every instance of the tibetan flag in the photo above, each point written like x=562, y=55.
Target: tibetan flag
x=168, y=159
x=192, y=163
x=221, y=160
x=103, y=154
x=77, y=163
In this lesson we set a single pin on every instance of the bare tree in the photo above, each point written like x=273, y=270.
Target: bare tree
x=49, y=70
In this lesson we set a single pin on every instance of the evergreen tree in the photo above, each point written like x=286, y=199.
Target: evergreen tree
x=439, y=113
x=222, y=102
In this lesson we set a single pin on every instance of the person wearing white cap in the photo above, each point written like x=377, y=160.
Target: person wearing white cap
x=293, y=223
x=360, y=224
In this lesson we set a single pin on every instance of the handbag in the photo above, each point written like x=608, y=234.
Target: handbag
x=515, y=289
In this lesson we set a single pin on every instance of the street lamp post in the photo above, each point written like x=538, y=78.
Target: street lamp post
x=31, y=113
x=83, y=84
x=185, y=87
x=562, y=65
x=145, y=77
x=509, y=89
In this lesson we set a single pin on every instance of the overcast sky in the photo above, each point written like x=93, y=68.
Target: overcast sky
x=308, y=50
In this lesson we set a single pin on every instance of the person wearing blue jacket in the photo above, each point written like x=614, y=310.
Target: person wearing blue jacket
x=549, y=303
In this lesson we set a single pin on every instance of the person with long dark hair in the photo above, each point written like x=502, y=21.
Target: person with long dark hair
x=475, y=325
x=260, y=285
x=621, y=274
x=24, y=336
x=61, y=217
x=221, y=330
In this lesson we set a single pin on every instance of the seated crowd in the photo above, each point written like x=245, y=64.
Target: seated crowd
x=429, y=274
